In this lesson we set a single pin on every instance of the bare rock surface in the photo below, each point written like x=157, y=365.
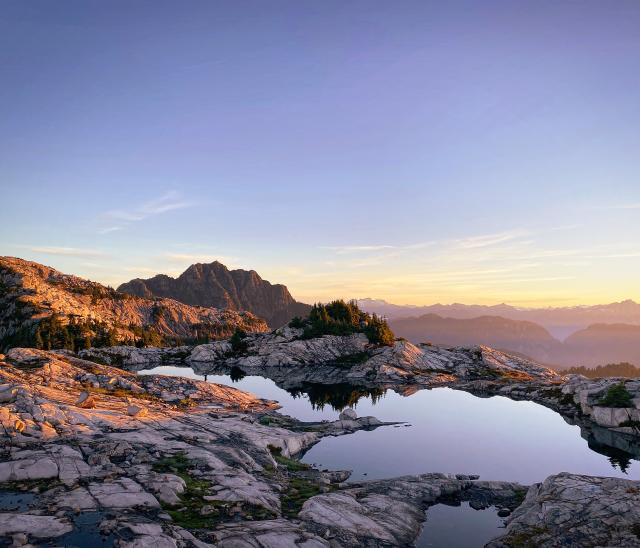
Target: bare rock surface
x=203, y=455
x=574, y=510
x=201, y=468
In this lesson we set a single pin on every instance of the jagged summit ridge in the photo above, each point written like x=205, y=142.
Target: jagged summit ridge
x=213, y=284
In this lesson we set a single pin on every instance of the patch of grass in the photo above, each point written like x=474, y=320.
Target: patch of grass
x=194, y=512
x=122, y=393
x=525, y=538
x=617, y=396
x=519, y=496
x=563, y=399
x=292, y=465
x=299, y=490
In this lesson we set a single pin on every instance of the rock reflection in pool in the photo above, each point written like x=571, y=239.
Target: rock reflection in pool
x=451, y=431
x=459, y=527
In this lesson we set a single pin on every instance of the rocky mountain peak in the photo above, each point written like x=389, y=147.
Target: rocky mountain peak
x=213, y=284
x=41, y=306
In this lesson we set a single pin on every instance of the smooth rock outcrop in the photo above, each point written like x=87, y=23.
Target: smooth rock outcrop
x=575, y=510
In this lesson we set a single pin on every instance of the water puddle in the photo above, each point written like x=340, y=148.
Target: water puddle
x=15, y=501
x=459, y=527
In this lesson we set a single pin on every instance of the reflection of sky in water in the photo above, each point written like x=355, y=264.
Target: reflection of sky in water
x=459, y=527
x=451, y=431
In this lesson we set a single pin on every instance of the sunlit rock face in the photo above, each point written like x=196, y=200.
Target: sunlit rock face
x=31, y=292
x=214, y=285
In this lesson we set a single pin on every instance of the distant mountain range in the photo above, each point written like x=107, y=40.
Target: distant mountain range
x=215, y=285
x=597, y=344
x=41, y=306
x=560, y=322
x=526, y=338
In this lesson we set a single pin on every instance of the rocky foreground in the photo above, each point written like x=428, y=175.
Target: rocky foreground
x=90, y=451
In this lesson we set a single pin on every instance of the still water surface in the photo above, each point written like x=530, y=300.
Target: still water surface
x=445, y=430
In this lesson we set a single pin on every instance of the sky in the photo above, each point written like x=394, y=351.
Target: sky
x=414, y=151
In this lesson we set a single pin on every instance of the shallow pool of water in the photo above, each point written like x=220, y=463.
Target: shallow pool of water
x=459, y=527
x=448, y=431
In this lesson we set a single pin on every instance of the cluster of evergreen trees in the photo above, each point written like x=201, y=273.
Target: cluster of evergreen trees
x=344, y=318
x=623, y=369
x=54, y=333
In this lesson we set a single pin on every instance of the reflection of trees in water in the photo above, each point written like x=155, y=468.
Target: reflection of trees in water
x=617, y=457
x=236, y=374
x=338, y=396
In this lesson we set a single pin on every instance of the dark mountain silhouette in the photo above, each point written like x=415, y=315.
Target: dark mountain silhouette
x=215, y=285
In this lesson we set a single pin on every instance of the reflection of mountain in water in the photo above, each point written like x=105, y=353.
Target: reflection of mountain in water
x=338, y=396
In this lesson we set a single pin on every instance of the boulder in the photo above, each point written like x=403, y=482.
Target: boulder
x=348, y=414
x=135, y=410
x=7, y=393
x=86, y=400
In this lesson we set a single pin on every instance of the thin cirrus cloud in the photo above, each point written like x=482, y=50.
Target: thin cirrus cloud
x=66, y=251
x=352, y=249
x=121, y=218
x=489, y=240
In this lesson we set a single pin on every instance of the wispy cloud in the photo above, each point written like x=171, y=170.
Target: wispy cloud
x=488, y=240
x=69, y=251
x=353, y=249
x=121, y=218
x=109, y=229
x=346, y=249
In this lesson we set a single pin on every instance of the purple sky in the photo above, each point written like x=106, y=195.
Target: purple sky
x=414, y=151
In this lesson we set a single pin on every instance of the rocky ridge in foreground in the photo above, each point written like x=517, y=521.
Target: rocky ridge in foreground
x=142, y=461
x=87, y=442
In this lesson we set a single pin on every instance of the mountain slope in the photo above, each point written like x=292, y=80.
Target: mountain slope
x=39, y=306
x=560, y=322
x=600, y=344
x=215, y=285
x=516, y=336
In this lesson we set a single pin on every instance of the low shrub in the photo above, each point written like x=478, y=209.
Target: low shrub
x=617, y=396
